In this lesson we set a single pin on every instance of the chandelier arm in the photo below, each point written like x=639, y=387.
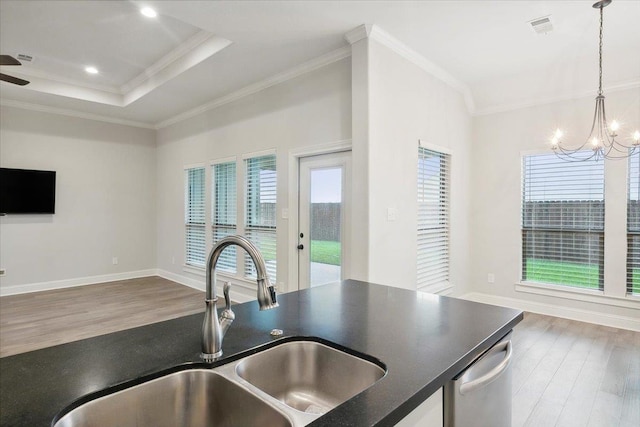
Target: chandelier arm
x=602, y=137
x=567, y=155
x=614, y=145
x=593, y=123
x=569, y=159
x=571, y=151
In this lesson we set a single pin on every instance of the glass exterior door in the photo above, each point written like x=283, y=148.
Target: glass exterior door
x=321, y=243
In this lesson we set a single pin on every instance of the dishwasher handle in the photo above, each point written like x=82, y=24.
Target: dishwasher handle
x=494, y=373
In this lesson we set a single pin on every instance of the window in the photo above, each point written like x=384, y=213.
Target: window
x=563, y=221
x=194, y=217
x=633, y=226
x=433, y=217
x=223, y=212
x=260, y=211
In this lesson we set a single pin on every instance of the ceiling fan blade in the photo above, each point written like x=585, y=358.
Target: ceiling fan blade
x=14, y=80
x=8, y=60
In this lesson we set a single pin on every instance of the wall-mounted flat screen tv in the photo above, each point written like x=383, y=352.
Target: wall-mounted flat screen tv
x=24, y=191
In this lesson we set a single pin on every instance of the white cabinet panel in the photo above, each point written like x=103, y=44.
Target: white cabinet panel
x=428, y=414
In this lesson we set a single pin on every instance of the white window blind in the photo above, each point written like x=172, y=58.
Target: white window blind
x=194, y=216
x=433, y=217
x=260, y=208
x=633, y=226
x=223, y=211
x=563, y=221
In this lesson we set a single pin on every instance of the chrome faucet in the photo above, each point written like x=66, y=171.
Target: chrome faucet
x=214, y=329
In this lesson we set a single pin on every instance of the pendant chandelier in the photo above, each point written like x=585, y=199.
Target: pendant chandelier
x=602, y=138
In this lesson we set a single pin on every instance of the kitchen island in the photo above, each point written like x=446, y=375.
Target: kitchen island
x=423, y=340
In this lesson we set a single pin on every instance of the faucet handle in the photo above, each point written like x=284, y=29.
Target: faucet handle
x=227, y=316
x=227, y=299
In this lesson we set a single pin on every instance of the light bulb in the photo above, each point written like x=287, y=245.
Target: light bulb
x=595, y=142
x=148, y=12
x=554, y=143
x=615, y=126
x=636, y=137
x=91, y=70
x=558, y=134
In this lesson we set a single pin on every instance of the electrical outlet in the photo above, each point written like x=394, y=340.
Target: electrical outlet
x=285, y=213
x=392, y=214
x=491, y=278
x=173, y=260
x=114, y=260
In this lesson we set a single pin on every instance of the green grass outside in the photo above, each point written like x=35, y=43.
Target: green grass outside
x=326, y=252
x=268, y=253
x=635, y=281
x=564, y=273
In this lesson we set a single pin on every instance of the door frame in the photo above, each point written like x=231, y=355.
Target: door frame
x=292, y=212
x=341, y=161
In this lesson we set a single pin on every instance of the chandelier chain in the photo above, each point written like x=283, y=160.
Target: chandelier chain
x=600, y=52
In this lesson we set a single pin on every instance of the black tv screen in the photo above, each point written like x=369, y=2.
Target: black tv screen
x=25, y=191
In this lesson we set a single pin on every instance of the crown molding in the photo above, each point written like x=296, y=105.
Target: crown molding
x=198, y=48
x=194, y=50
x=294, y=72
x=72, y=113
x=502, y=108
x=376, y=33
x=358, y=33
x=30, y=73
x=166, y=61
x=304, y=68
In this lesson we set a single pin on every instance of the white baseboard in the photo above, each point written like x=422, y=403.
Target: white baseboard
x=69, y=283
x=239, y=292
x=183, y=280
x=613, y=320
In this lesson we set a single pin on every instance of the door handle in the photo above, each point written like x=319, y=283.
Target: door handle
x=300, y=246
x=494, y=373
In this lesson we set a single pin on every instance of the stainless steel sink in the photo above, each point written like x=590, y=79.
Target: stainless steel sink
x=308, y=376
x=290, y=384
x=196, y=397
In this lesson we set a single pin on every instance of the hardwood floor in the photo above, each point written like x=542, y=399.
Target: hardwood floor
x=568, y=373
x=565, y=373
x=43, y=319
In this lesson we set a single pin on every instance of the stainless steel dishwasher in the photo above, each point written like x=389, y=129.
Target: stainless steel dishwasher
x=480, y=396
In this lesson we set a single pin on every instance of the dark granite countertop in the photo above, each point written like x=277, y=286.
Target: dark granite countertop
x=423, y=339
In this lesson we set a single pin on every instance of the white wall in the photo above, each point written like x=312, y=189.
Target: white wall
x=105, y=201
x=498, y=141
x=405, y=104
x=311, y=109
x=120, y=190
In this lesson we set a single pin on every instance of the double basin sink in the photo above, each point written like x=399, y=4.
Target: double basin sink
x=289, y=384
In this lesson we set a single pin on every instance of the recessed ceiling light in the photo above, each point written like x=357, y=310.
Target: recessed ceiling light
x=91, y=70
x=148, y=12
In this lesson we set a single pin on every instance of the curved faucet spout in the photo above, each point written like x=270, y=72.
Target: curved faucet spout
x=213, y=328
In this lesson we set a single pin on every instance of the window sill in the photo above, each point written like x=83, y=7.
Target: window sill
x=440, y=288
x=198, y=271
x=586, y=295
x=222, y=276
